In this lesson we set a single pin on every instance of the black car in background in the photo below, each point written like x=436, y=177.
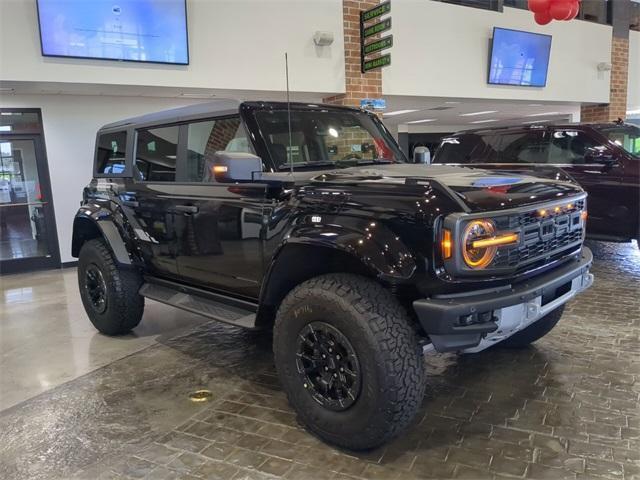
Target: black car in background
x=604, y=158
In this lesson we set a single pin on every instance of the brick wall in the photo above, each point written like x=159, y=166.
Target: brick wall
x=358, y=85
x=617, y=108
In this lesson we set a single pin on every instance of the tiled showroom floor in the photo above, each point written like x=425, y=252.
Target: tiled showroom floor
x=80, y=405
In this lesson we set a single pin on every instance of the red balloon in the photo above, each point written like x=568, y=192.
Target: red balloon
x=560, y=10
x=575, y=8
x=539, y=6
x=542, y=18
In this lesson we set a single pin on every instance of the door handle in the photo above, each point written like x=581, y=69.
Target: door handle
x=130, y=203
x=186, y=209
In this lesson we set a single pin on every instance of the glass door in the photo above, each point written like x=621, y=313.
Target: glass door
x=28, y=238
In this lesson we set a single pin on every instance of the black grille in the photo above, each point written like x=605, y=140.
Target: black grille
x=541, y=236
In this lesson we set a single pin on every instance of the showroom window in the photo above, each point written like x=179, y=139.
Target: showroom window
x=204, y=139
x=156, y=154
x=111, y=153
x=495, y=5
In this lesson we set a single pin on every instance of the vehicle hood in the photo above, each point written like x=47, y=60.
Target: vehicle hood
x=475, y=189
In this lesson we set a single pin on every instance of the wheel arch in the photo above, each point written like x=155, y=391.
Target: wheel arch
x=309, y=251
x=89, y=225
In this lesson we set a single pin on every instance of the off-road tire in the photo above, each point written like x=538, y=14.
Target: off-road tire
x=124, y=307
x=533, y=332
x=385, y=342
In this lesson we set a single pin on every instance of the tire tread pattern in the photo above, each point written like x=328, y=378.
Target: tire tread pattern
x=394, y=336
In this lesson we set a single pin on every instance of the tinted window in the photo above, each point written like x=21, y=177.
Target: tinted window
x=156, y=153
x=211, y=136
x=461, y=149
x=625, y=136
x=524, y=147
x=571, y=146
x=111, y=153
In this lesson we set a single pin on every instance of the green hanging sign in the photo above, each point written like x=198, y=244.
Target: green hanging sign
x=379, y=62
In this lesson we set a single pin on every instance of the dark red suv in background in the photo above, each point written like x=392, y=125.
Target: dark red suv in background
x=603, y=158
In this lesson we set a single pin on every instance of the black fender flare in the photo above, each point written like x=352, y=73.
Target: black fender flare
x=101, y=219
x=369, y=242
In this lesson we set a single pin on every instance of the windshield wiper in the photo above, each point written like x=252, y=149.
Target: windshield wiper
x=307, y=164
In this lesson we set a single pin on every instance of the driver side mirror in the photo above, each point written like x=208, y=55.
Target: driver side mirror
x=421, y=155
x=234, y=167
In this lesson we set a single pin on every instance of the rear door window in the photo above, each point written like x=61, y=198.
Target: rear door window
x=156, y=154
x=461, y=149
x=569, y=147
x=111, y=153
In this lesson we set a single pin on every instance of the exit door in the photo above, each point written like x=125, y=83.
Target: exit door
x=28, y=238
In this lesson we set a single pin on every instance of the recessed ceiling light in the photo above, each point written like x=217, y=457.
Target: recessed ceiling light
x=536, y=121
x=424, y=121
x=197, y=95
x=398, y=112
x=472, y=114
x=544, y=114
x=485, y=121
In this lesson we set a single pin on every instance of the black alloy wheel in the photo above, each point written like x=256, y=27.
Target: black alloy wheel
x=328, y=366
x=96, y=288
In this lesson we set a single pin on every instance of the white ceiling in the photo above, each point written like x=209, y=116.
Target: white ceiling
x=446, y=114
x=452, y=113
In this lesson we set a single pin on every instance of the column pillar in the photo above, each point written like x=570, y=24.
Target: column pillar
x=617, y=106
x=358, y=85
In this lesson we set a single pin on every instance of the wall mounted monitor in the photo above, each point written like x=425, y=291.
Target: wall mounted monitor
x=153, y=31
x=519, y=58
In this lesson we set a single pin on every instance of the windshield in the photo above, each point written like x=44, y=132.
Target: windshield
x=326, y=138
x=627, y=136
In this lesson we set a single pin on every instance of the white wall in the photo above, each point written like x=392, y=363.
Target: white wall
x=234, y=44
x=70, y=125
x=442, y=50
x=633, y=89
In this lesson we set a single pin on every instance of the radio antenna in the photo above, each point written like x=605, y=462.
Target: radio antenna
x=290, y=153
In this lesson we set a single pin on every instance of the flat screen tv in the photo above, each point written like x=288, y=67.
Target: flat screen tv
x=519, y=58
x=153, y=31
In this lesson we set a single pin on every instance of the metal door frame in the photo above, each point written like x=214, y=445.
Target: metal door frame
x=53, y=260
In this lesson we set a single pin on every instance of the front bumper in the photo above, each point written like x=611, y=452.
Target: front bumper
x=473, y=321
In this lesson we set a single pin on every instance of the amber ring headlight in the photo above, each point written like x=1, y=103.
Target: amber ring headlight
x=478, y=256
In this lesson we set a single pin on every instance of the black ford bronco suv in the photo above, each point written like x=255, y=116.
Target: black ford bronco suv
x=310, y=221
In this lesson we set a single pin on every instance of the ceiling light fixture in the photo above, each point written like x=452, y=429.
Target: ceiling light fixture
x=424, y=121
x=453, y=103
x=485, y=121
x=473, y=114
x=544, y=114
x=197, y=95
x=399, y=112
x=535, y=121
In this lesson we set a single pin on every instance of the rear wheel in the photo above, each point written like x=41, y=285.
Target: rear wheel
x=349, y=360
x=533, y=332
x=109, y=295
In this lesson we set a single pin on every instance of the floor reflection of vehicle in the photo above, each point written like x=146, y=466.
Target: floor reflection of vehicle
x=602, y=158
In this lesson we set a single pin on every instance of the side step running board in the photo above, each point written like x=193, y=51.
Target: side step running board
x=206, y=307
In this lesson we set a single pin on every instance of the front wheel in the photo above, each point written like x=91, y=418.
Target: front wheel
x=533, y=332
x=109, y=294
x=349, y=360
